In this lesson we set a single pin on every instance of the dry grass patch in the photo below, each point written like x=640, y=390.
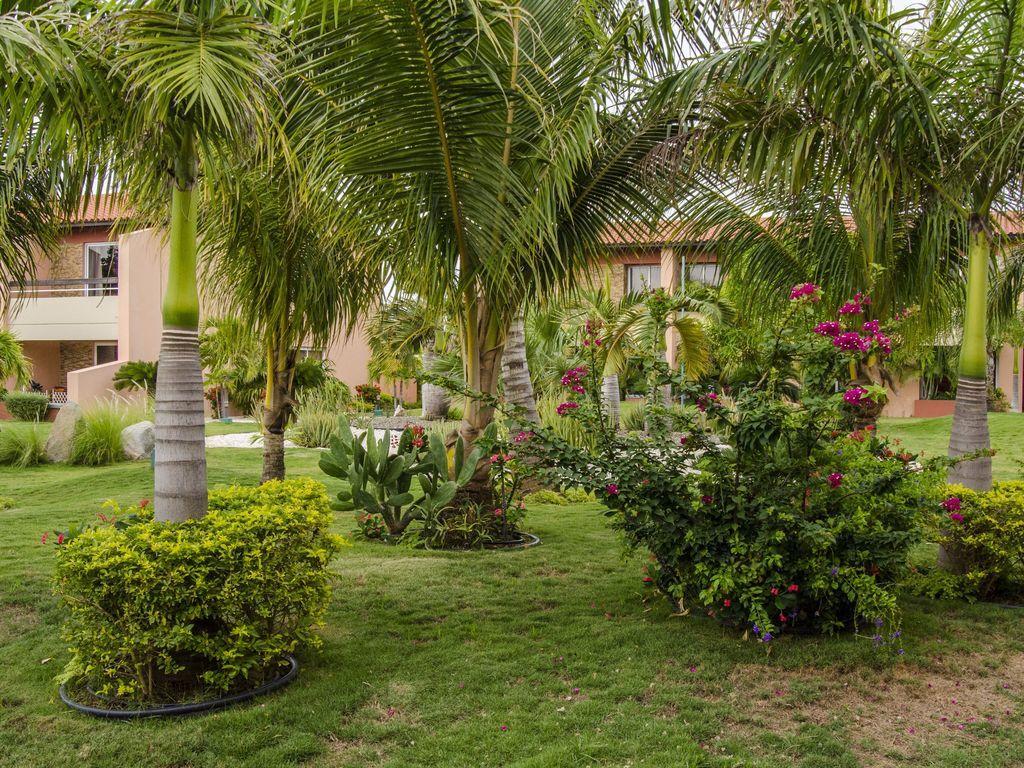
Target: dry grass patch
x=887, y=715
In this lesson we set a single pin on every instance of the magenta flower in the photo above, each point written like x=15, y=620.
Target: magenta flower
x=884, y=343
x=851, y=308
x=855, y=395
x=835, y=479
x=805, y=292
x=952, y=504
x=956, y=517
x=522, y=437
x=871, y=326
x=851, y=341
x=564, y=408
x=705, y=400
x=612, y=489
x=828, y=328
x=706, y=499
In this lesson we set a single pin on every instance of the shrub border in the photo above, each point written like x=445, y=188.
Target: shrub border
x=177, y=710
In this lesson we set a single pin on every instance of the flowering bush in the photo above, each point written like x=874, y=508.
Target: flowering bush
x=157, y=609
x=764, y=506
x=982, y=535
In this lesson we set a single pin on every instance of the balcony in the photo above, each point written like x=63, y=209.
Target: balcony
x=76, y=309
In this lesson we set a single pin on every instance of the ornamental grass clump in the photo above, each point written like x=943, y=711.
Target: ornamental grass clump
x=22, y=445
x=158, y=612
x=767, y=506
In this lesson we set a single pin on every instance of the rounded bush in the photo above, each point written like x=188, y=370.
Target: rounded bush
x=214, y=602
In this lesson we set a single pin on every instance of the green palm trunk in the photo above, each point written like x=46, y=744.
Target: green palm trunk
x=180, y=463
x=970, y=419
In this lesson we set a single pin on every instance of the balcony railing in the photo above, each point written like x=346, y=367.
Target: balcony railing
x=73, y=286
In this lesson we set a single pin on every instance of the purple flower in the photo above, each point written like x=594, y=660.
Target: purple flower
x=851, y=308
x=835, y=479
x=884, y=343
x=766, y=637
x=612, y=489
x=871, y=326
x=834, y=571
x=956, y=517
x=952, y=504
x=828, y=328
x=564, y=408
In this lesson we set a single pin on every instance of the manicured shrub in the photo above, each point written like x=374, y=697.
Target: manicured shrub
x=213, y=603
x=983, y=537
x=545, y=496
x=27, y=406
x=22, y=445
x=97, y=440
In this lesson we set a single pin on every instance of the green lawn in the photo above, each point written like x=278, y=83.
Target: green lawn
x=931, y=436
x=427, y=655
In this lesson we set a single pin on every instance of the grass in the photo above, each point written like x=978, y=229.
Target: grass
x=427, y=655
x=931, y=436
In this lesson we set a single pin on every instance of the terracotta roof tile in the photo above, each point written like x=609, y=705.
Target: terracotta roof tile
x=100, y=209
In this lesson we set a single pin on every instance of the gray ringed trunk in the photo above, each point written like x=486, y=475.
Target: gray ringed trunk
x=179, y=477
x=273, y=456
x=612, y=398
x=515, y=371
x=970, y=434
x=435, y=399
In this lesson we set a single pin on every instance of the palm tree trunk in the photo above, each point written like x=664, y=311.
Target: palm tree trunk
x=179, y=476
x=277, y=411
x=970, y=418
x=435, y=398
x=515, y=371
x=482, y=347
x=612, y=399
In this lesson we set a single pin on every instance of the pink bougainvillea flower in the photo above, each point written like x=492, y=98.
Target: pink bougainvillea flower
x=855, y=395
x=828, y=328
x=871, y=326
x=805, y=292
x=612, y=489
x=835, y=479
x=851, y=341
x=564, y=408
x=956, y=517
x=952, y=504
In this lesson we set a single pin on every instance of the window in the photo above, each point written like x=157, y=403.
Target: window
x=101, y=262
x=643, y=277
x=307, y=352
x=704, y=273
x=105, y=353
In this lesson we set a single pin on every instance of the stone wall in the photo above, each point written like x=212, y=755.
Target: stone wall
x=68, y=262
x=73, y=356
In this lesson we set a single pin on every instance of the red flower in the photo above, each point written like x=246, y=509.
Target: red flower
x=60, y=538
x=706, y=499
x=727, y=603
x=794, y=588
x=648, y=580
x=775, y=591
x=612, y=489
x=144, y=503
x=782, y=618
x=46, y=536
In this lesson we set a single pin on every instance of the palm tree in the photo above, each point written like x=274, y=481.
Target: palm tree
x=13, y=363
x=272, y=266
x=472, y=134
x=515, y=372
x=178, y=85
x=408, y=339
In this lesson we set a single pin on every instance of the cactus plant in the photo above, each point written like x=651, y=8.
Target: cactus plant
x=383, y=484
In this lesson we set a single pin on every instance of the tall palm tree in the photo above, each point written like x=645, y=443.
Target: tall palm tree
x=973, y=51
x=273, y=266
x=175, y=86
x=461, y=126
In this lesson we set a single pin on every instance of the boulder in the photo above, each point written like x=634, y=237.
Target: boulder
x=58, y=444
x=138, y=440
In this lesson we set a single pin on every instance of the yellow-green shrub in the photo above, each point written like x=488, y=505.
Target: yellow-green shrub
x=984, y=539
x=225, y=596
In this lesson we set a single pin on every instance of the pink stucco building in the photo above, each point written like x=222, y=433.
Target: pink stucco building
x=95, y=304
